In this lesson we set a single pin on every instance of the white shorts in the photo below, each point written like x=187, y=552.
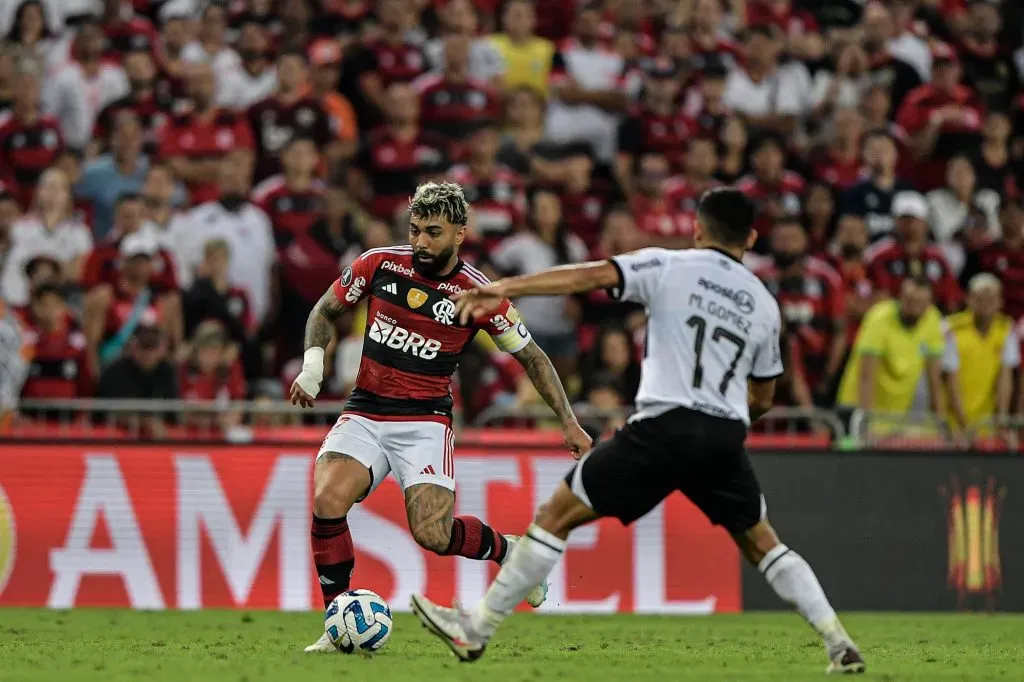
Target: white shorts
x=415, y=451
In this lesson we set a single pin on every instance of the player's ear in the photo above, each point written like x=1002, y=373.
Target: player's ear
x=751, y=240
x=460, y=235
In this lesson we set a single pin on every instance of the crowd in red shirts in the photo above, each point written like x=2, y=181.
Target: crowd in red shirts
x=181, y=179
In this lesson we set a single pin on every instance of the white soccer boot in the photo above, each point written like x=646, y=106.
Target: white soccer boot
x=846, y=661
x=451, y=626
x=324, y=645
x=539, y=593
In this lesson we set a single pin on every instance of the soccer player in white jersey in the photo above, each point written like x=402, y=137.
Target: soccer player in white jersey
x=710, y=368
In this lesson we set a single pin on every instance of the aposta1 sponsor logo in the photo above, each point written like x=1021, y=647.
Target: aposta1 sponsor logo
x=157, y=527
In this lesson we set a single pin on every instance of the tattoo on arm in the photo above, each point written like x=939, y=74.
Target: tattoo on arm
x=320, y=325
x=545, y=379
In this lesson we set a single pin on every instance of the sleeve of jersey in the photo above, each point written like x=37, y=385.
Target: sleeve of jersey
x=640, y=274
x=768, y=357
x=354, y=283
x=507, y=329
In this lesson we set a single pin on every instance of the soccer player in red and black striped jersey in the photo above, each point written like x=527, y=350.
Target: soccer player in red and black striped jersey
x=398, y=418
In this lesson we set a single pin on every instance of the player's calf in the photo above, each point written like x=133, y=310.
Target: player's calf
x=338, y=481
x=434, y=527
x=794, y=581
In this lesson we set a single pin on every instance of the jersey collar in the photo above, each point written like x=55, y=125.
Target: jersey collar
x=444, y=278
x=725, y=253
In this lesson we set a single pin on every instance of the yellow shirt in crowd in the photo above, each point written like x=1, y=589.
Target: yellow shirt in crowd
x=902, y=353
x=526, y=64
x=979, y=360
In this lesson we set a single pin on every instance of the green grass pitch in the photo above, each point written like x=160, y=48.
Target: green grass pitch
x=235, y=646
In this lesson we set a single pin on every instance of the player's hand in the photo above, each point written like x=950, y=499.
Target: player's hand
x=577, y=440
x=300, y=397
x=478, y=302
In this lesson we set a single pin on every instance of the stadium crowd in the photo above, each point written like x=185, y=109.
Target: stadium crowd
x=180, y=180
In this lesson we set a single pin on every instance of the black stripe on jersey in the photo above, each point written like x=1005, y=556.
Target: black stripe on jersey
x=440, y=365
x=405, y=293
x=616, y=291
x=362, y=400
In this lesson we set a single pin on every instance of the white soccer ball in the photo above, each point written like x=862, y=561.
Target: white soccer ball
x=358, y=620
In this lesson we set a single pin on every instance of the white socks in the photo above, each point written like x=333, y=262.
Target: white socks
x=529, y=563
x=792, y=579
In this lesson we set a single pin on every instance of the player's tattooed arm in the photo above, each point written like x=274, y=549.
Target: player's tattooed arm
x=545, y=379
x=322, y=319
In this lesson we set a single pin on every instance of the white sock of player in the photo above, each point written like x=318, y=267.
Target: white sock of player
x=792, y=579
x=529, y=563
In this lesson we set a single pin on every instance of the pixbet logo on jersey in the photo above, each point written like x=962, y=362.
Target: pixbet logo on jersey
x=385, y=330
x=397, y=267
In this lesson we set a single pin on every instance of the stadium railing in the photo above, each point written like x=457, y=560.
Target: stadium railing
x=922, y=430
x=280, y=422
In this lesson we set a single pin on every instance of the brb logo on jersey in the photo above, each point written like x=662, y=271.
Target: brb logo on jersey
x=444, y=311
x=386, y=331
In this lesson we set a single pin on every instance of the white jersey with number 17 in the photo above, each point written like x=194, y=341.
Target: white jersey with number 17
x=711, y=326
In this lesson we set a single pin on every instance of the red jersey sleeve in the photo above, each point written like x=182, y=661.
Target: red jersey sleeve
x=169, y=141
x=947, y=292
x=879, y=275
x=354, y=283
x=506, y=328
x=243, y=134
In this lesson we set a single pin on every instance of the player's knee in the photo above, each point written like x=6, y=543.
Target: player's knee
x=433, y=539
x=562, y=512
x=336, y=488
x=755, y=543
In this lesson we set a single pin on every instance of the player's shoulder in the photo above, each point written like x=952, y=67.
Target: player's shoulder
x=470, y=277
x=395, y=258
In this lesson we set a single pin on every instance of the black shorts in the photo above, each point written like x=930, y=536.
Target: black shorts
x=697, y=454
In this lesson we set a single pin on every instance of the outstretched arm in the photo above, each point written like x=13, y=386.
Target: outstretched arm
x=319, y=332
x=545, y=379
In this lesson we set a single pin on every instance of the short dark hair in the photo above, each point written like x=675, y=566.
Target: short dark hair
x=300, y=137
x=46, y=288
x=727, y=214
x=125, y=197
x=293, y=52
x=444, y=199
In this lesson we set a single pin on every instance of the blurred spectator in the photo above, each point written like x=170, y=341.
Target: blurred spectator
x=114, y=311
x=194, y=142
x=950, y=206
x=846, y=256
x=705, y=104
x=292, y=111
x=211, y=46
x=55, y=347
x=709, y=35
x=452, y=101
x=212, y=373
x=845, y=84
x=732, y=163
x=503, y=383
x=121, y=171
x=494, y=190
x=325, y=56
x=256, y=77
x=524, y=129
x=904, y=40
x=212, y=297
x=993, y=163
x=771, y=96
x=397, y=155
x=983, y=351
x=656, y=214
x=886, y=66
x=527, y=57
x=775, y=190
x=604, y=395
x=125, y=30
x=684, y=191
x=148, y=102
x=899, y=341
x=942, y=117
x=819, y=216
x=655, y=125
x=910, y=255
x=871, y=198
x=34, y=35
x=812, y=301
x=460, y=18
x=50, y=229
x=142, y=373
x=552, y=319
x=390, y=58
x=170, y=52
x=80, y=90
x=612, y=363
x=13, y=365
x=161, y=196
x=988, y=68
x=588, y=92
x=839, y=162
x=294, y=198
x=1004, y=258
x=29, y=141
x=245, y=228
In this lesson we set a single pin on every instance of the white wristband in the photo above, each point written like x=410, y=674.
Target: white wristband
x=312, y=373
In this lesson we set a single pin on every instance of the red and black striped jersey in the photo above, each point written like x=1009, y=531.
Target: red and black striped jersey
x=291, y=212
x=413, y=339
x=26, y=150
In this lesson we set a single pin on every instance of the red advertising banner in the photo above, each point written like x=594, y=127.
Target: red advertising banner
x=215, y=526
